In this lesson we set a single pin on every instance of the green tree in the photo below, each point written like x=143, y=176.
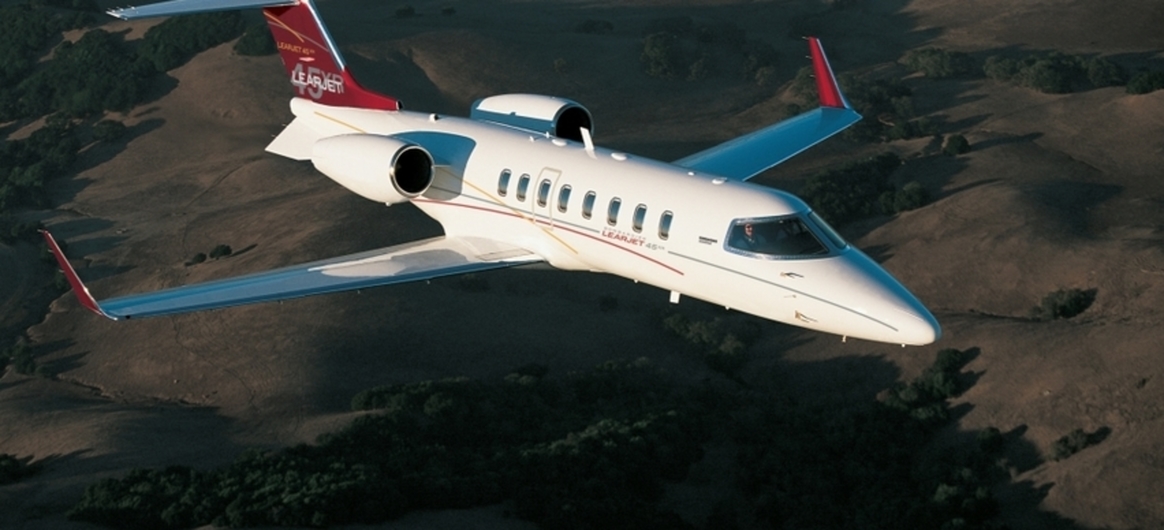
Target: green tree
x=662, y=57
x=256, y=41
x=955, y=145
x=1146, y=82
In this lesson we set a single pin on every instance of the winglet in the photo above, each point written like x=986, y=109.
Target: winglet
x=826, y=82
x=82, y=292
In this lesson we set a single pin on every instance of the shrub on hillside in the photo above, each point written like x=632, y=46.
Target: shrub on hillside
x=1064, y=303
x=723, y=346
x=1102, y=72
x=939, y=64
x=1076, y=441
x=1146, y=82
x=911, y=196
x=955, y=145
x=13, y=469
x=108, y=130
x=220, y=251
x=662, y=56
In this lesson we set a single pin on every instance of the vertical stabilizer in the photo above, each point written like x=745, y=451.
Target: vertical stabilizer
x=313, y=62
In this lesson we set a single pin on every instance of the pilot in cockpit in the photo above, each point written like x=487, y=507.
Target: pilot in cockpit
x=780, y=237
x=750, y=240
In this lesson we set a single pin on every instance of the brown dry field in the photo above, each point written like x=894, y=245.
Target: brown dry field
x=1060, y=191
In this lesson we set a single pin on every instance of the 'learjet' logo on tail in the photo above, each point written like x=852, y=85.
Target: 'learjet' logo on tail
x=314, y=82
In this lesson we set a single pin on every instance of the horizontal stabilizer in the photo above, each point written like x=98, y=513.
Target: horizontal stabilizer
x=420, y=260
x=295, y=141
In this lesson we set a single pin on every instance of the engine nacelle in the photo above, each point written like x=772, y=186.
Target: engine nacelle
x=381, y=168
x=542, y=114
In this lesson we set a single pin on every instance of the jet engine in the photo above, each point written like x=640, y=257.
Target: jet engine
x=381, y=168
x=542, y=114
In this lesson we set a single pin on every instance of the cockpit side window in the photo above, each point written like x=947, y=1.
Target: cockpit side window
x=782, y=237
x=838, y=242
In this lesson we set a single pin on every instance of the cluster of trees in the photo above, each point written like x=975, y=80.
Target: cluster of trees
x=24, y=33
x=680, y=48
x=722, y=344
x=1064, y=303
x=1054, y=72
x=861, y=189
x=588, y=450
x=26, y=165
x=20, y=356
x=810, y=466
x=98, y=72
x=1146, y=82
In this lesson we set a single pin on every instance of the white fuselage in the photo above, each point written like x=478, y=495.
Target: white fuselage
x=838, y=291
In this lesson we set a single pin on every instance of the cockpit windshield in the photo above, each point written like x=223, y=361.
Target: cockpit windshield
x=781, y=237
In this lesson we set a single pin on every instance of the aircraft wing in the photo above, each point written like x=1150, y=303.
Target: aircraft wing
x=420, y=260
x=749, y=155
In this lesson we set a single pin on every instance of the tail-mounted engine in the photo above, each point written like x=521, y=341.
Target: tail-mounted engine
x=541, y=114
x=381, y=168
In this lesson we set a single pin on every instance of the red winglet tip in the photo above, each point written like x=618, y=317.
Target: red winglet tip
x=87, y=301
x=826, y=82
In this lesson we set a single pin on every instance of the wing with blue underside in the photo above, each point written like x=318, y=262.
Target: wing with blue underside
x=749, y=155
x=421, y=260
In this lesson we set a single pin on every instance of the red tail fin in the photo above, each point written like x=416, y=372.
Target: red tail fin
x=826, y=82
x=314, y=63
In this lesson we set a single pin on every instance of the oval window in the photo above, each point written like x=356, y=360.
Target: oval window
x=564, y=198
x=503, y=183
x=522, y=186
x=639, y=217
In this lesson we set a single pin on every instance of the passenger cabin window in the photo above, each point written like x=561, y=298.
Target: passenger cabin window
x=522, y=186
x=564, y=198
x=612, y=211
x=588, y=204
x=665, y=225
x=780, y=237
x=639, y=217
x=503, y=183
x=544, y=193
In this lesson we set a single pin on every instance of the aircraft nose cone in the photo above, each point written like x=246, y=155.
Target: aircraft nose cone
x=885, y=297
x=917, y=326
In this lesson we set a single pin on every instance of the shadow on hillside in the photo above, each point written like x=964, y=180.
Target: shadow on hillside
x=65, y=189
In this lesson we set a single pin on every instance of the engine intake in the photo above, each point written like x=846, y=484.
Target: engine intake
x=541, y=114
x=381, y=168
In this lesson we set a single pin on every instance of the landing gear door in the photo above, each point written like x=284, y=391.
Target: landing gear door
x=544, y=195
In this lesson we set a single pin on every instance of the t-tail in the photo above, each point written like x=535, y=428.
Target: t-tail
x=313, y=61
